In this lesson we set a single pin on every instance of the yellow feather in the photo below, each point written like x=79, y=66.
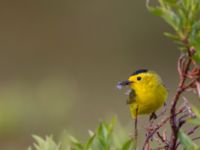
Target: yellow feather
x=150, y=93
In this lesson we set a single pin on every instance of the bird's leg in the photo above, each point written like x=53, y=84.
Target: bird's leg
x=136, y=130
x=151, y=127
x=153, y=116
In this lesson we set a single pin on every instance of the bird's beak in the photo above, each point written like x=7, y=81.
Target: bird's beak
x=124, y=83
x=127, y=82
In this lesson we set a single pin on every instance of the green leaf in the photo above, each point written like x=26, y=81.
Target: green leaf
x=76, y=142
x=186, y=4
x=172, y=36
x=196, y=57
x=38, y=139
x=172, y=19
x=45, y=144
x=90, y=142
x=196, y=112
x=196, y=46
x=171, y=2
x=102, y=131
x=186, y=142
x=102, y=142
x=194, y=121
x=167, y=14
x=29, y=148
x=156, y=11
x=128, y=145
x=105, y=129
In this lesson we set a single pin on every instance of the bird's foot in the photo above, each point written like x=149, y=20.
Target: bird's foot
x=153, y=116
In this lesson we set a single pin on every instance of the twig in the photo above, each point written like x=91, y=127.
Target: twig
x=180, y=90
x=192, y=130
x=163, y=140
x=161, y=148
x=153, y=132
x=190, y=133
x=198, y=88
x=149, y=136
x=161, y=137
x=189, y=84
x=196, y=138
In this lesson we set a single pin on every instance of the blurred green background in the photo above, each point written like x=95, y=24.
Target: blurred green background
x=60, y=61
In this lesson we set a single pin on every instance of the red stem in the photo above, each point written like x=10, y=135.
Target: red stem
x=180, y=90
x=158, y=126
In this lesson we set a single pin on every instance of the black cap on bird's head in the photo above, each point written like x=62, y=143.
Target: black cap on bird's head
x=139, y=71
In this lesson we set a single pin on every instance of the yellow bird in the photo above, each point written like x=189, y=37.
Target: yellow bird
x=147, y=92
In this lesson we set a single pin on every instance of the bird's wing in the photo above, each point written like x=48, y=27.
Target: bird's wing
x=131, y=97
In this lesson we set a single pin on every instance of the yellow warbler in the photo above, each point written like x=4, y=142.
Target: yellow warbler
x=147, y=92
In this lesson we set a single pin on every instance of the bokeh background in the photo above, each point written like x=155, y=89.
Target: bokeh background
x=60, y=61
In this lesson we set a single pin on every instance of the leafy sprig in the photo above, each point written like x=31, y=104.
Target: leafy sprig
x=105, y=137
x=183, y=17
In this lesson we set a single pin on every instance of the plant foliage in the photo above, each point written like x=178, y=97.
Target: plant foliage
x=105, y=137
x=183, y=17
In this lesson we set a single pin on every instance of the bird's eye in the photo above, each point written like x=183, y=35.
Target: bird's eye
x=139, y=78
